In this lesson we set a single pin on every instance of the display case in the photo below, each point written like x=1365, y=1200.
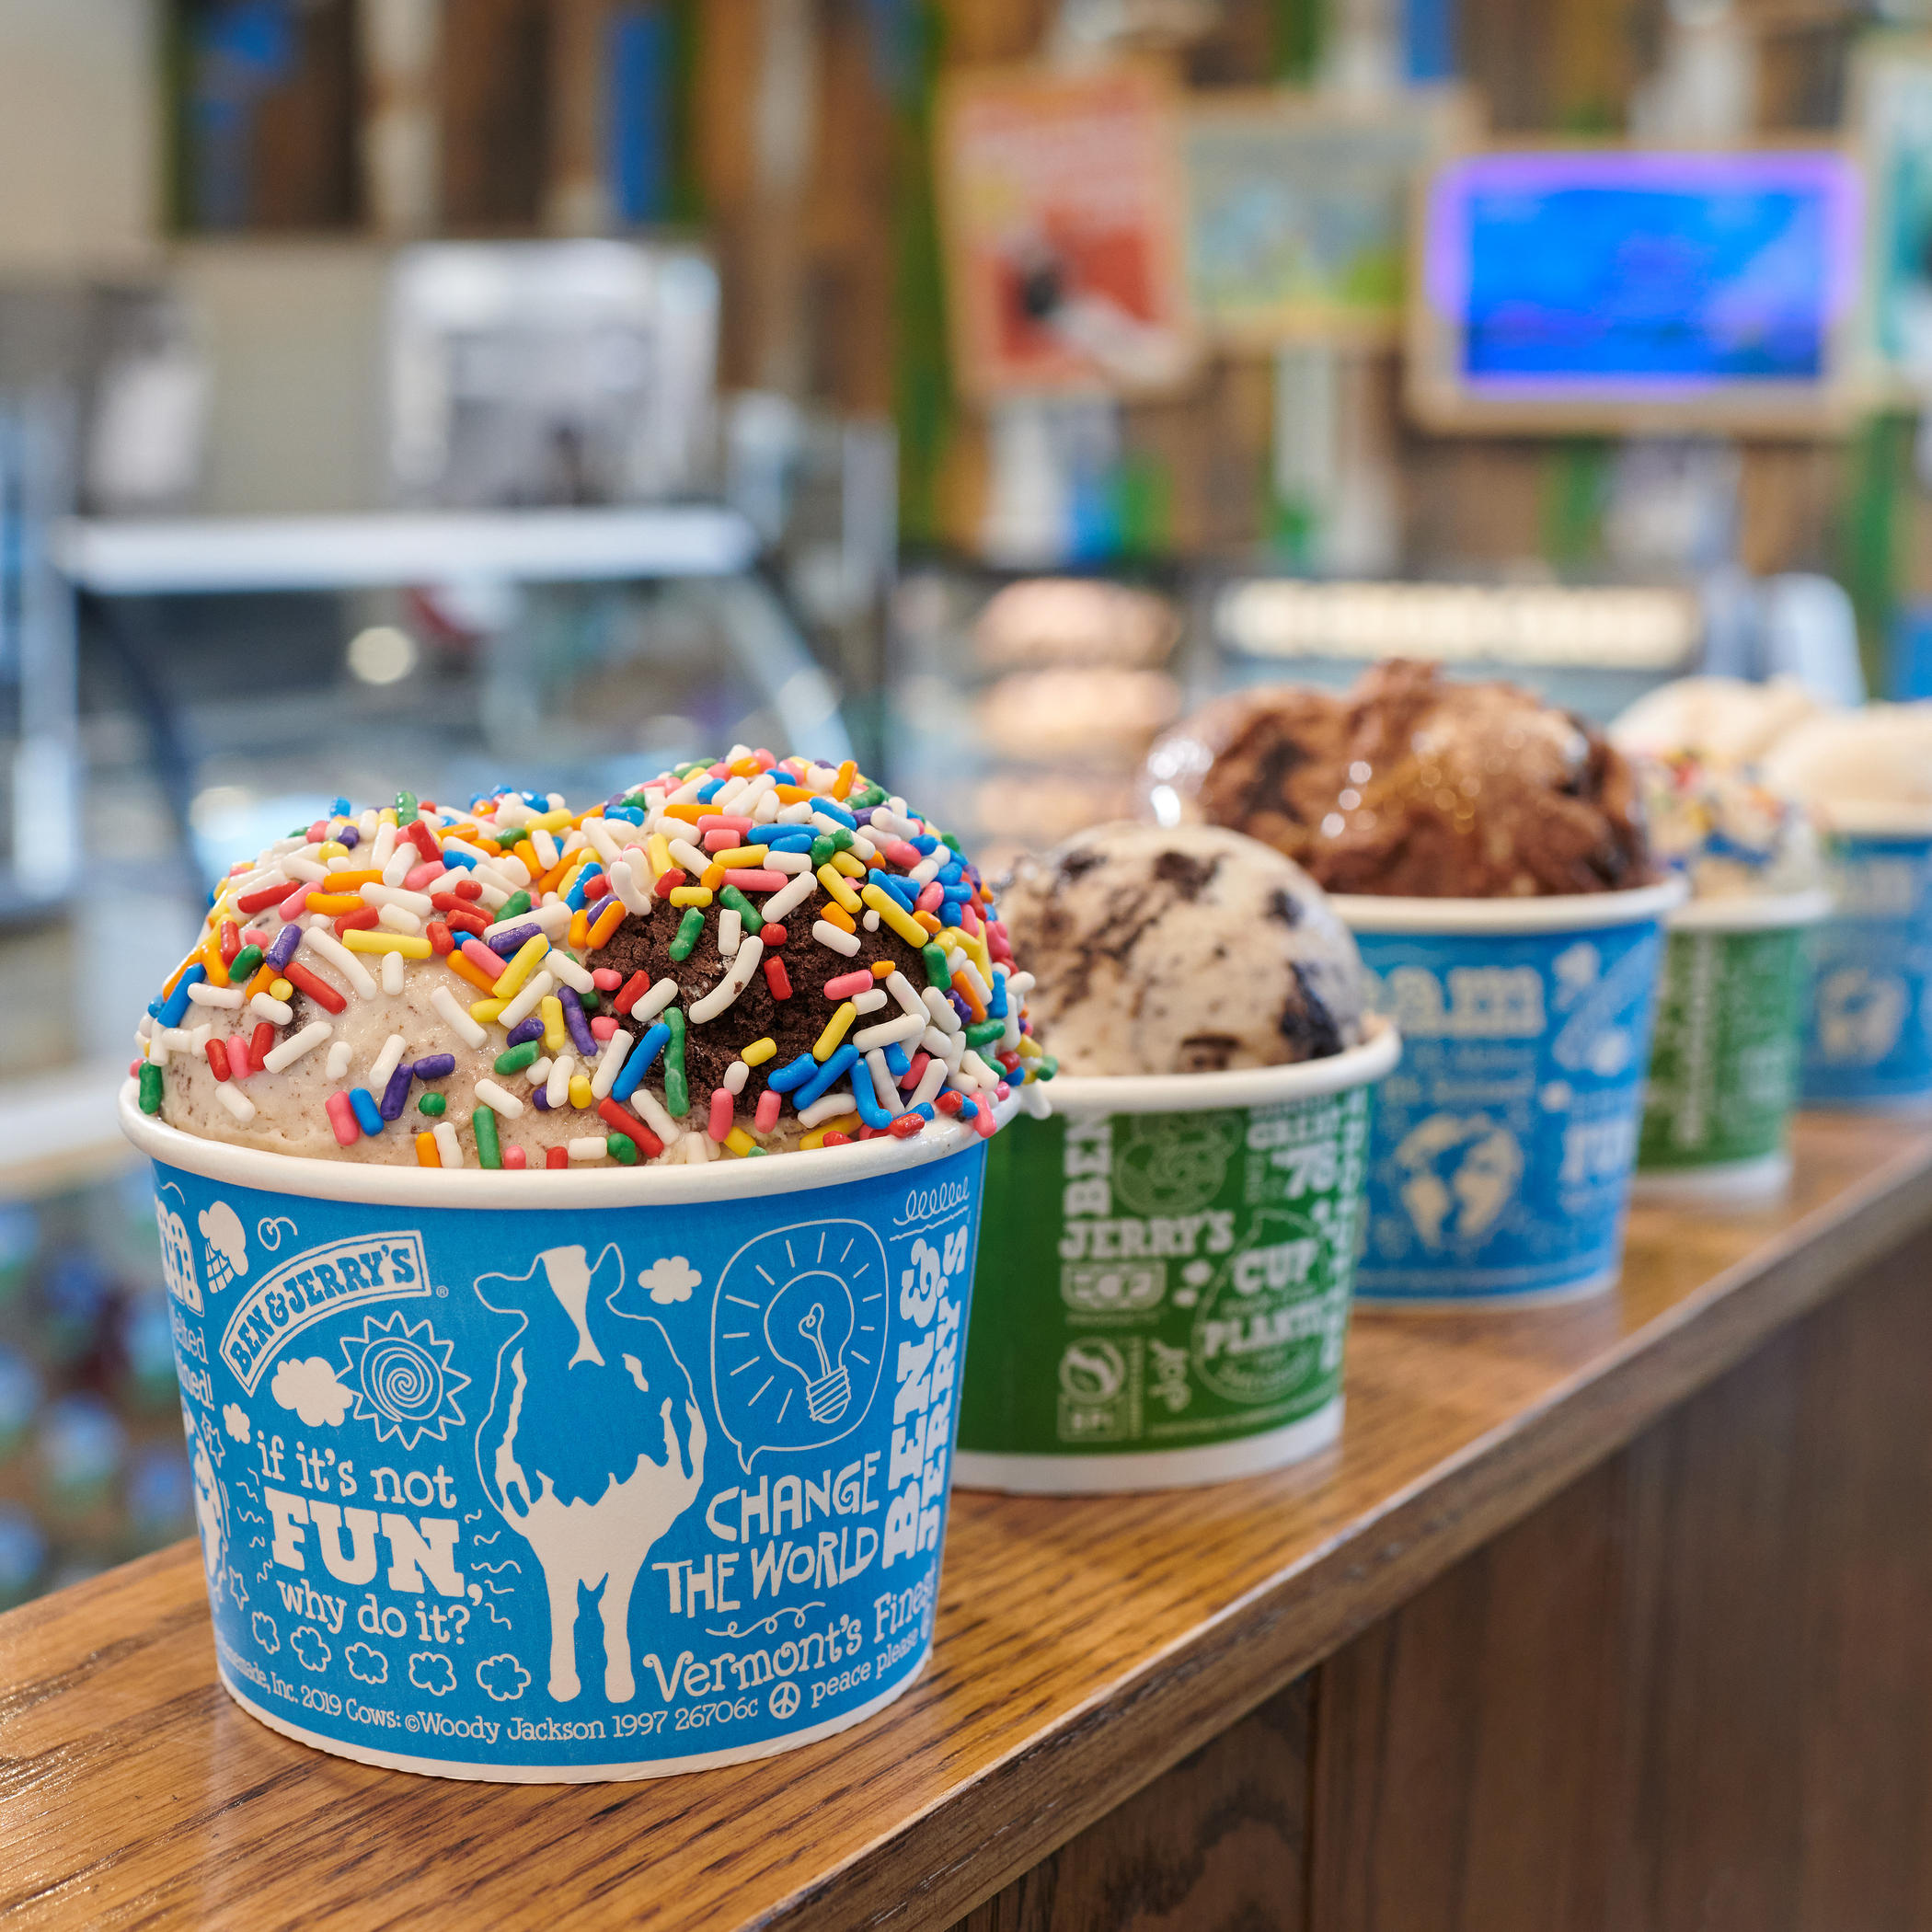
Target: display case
x=92, y=1464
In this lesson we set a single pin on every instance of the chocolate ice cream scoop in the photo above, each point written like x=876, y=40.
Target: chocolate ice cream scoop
x=1412, y=786
x=1181, y=950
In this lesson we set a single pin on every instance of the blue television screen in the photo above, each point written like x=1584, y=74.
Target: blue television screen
x=1628, y=273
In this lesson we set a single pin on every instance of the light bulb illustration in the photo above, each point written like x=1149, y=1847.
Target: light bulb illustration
x=808, y=1325
x=799, y=1336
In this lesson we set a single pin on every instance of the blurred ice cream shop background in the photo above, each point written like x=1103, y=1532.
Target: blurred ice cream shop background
x=542, y=389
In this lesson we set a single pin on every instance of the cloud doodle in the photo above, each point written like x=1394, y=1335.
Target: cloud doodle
x=266, y=1634
x=310, y=1647
x=310, y=1389
x=670, y=1280
x=504, y=1677
x=234, y=1420
x=432, y=1671
x=366, y=1665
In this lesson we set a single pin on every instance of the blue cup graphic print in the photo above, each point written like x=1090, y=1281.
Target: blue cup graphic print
x=810, y=1324
x=589, y=1521
x=640, y=1472
x=1869, y=1023
x=1502, y=1147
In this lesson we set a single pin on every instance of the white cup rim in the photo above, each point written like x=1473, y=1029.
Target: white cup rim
x=1569, y=912
x=1237, y=1087
x=1752, y=912
x=483, y=1189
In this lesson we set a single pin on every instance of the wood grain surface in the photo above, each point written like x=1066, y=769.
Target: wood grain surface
x=1220, y=1840
x=1082, y=1646
x=1693, y=1690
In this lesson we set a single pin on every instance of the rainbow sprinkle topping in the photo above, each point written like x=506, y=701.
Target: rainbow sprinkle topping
x=1723, y=827
x=731, y=958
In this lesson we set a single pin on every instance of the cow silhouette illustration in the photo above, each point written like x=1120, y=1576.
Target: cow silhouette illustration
x=593, y=1445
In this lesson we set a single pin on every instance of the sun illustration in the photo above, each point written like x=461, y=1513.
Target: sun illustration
x=402, y=1380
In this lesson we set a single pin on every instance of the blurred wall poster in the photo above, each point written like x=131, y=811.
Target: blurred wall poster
x=1893, y=90
x=1061, y=200
x=1298, y=209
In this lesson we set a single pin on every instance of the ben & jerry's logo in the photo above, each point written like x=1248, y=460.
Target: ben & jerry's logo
x=308, y=1286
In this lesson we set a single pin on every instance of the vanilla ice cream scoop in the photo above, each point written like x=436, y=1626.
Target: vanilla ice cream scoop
x=1869, y=770
x=1725, y=720
x=1177, y=949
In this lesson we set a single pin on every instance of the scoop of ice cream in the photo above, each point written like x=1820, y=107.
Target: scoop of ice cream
x=740, y=958
x=1179, y=950
x=1731, y=834
x=1724, y=720
x=1865, y=770
x=1411, y=785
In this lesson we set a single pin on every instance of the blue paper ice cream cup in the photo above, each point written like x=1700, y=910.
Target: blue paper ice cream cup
x=1869, y=1023
x=569, y=1476
x=1502, y=1148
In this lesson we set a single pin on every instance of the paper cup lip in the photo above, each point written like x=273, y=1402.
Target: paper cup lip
x=1238, y=1087
x=473, y=1189
x=1569, y=912
x=1752, y=912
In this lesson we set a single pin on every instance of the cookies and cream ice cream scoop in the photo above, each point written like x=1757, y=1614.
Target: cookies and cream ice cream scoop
x=1181, y=950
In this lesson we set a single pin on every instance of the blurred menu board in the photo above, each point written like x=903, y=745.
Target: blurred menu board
x=1060, y=196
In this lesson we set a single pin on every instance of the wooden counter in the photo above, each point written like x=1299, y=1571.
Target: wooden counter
x=1618, y=1614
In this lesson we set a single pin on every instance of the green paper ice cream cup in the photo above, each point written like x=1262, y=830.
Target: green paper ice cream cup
x=1164, y=1280
x=1724, y=1053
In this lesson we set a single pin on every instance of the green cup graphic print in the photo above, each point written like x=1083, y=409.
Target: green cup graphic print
x=1166, y=1289
x=1724, y=1053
